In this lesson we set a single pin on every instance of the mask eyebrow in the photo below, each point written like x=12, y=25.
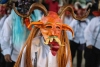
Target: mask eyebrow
x=48, y=23
x=48, y=26
x=58, y=27
x=59, y=23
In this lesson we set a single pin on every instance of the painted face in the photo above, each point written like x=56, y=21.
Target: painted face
x=51, y=27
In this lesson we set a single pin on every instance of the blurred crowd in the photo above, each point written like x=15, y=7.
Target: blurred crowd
x=14, y=31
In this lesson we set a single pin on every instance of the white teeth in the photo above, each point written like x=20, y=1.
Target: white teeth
x=51, y=39
x=59, y=42
x=47, y=41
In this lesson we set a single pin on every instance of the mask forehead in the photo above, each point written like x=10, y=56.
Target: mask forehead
x=52, y=18
x=52, y=25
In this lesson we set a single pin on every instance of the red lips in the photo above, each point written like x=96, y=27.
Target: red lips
x=54, y=47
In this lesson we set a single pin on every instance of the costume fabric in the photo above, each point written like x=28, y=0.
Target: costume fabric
x=44, y=54
x=79, y=28
x=53, y=6
x=92, y=38
x=92, y=31
x=14, y=34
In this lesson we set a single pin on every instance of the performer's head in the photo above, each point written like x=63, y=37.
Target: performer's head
x=81, y=12
x=51, y=27
x=68, y=13
x=82, y=8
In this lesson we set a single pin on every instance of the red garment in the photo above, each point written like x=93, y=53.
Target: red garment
x=96, y=13
x=52, y=6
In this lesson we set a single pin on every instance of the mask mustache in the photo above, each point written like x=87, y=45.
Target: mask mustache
x=53, y=38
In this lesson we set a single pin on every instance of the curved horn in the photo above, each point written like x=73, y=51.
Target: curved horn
x=33, y=6
x=76, y=5
x=89, y=4
x=70, y=8
x=68, y=28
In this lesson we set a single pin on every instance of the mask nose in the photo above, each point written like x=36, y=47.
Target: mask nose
x=53, y=32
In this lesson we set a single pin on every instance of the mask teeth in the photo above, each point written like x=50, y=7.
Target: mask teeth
x=59, y=42
x=47, y=41
x=51, y=39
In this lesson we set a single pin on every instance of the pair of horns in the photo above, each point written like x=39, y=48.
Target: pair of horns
x=42, y=8
x=85, y=7
x=32, y=7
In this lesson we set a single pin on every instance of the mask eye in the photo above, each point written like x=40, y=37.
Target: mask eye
x=57, y=27
x=49, y=27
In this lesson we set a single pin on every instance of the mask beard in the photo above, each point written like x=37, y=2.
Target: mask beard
x=54, y=43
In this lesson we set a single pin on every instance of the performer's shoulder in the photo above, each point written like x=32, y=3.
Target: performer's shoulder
x=36, y=40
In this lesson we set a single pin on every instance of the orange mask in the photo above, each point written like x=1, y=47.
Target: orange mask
x=51, y=27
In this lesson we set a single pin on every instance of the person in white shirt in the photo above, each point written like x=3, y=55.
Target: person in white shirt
x=77, y=44
x=14, y=33
x=3, y=16
x=92, y=37
x=2, y=61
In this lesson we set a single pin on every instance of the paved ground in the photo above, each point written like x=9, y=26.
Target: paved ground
x=74, y=62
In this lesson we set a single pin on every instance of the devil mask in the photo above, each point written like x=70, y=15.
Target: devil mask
x=51, y=27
